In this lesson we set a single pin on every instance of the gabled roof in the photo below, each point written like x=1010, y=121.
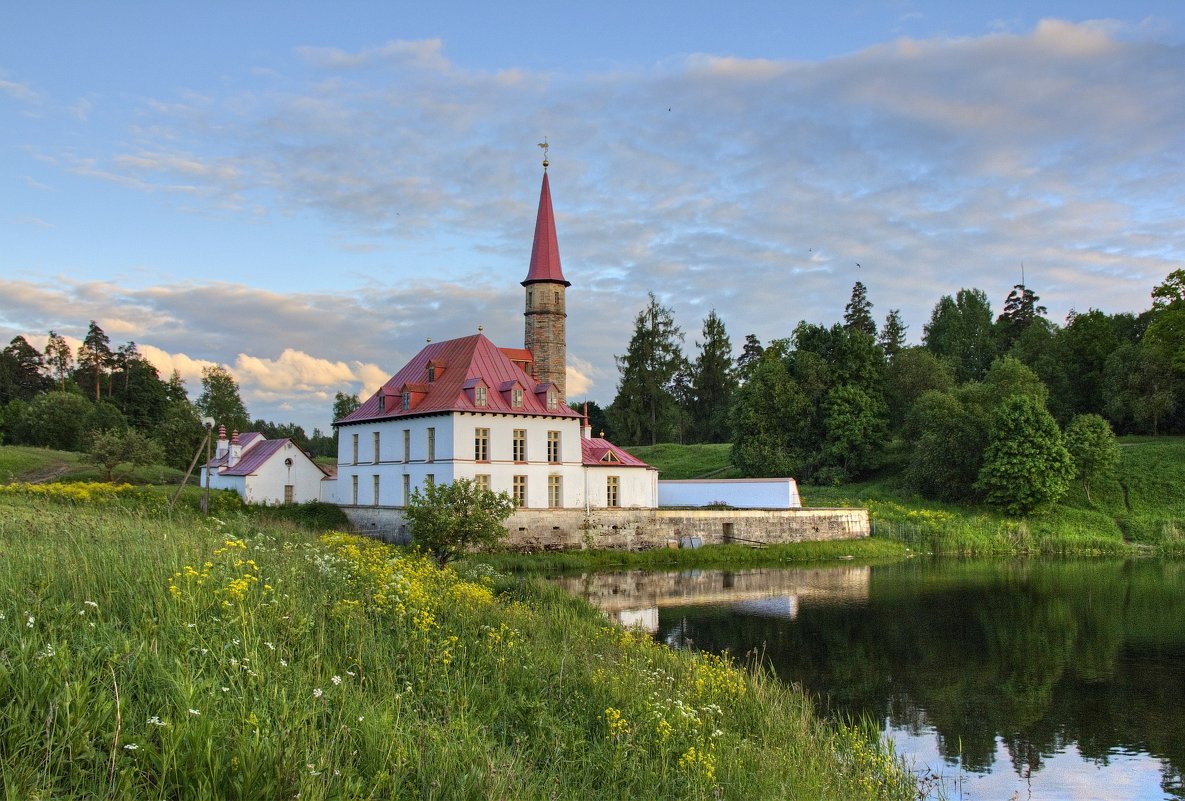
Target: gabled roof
x=256, y=451
x=468, y=358
x=599, y=452
x=545, y=252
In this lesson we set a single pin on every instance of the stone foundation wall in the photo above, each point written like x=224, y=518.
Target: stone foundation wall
x=640, y=529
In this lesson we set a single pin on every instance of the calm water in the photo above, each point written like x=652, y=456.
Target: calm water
x=1011, y=679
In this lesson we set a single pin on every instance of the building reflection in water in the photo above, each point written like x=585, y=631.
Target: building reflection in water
x=633, y=598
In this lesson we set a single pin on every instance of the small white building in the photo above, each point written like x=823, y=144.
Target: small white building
x=263, y=471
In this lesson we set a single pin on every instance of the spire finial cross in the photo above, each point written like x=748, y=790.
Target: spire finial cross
x=544, y=145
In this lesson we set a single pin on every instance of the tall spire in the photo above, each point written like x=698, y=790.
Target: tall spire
x=545, y=252
x=546, y=308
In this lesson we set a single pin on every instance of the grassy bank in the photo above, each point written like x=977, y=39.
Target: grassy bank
x=19, y=463
x=149, y=657
x=1141, y=510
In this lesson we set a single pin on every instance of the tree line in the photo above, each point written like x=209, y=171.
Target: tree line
x=114, y=403
x=984, y=400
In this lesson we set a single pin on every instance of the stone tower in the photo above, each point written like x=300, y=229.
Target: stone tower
x=546, y=313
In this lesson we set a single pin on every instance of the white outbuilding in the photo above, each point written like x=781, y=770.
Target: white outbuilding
x=263, y=471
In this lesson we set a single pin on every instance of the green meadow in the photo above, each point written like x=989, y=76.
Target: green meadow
x=151, y=656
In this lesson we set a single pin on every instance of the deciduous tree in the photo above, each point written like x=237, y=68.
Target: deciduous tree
x=1092, y=444
x=220, y=399
x=1026, y=467
x=449, y=520
x=960, y=330
x=112, y=447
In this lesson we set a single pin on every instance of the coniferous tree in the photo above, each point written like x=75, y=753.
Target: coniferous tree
x=21, y=367
x=713, y=383
x=59, y=359
x=892, y=336
x=1020, y=311
x=750, y=355
x=645, y=409
x=857, y=315
x=94, y=358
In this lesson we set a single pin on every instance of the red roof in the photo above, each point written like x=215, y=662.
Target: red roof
x=468, y=359
x=256, y=451
x=545, y=252
x=598, y=452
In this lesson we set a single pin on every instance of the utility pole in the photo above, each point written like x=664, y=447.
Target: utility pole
x=209, y=423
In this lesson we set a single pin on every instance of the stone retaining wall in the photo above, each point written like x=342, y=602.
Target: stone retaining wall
x=640, y=529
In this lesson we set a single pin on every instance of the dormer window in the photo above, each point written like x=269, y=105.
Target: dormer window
x=553, y=400
x=405, y=400
x=479, y=396
x=431, y=373
x=516, y=397
x=610, y=458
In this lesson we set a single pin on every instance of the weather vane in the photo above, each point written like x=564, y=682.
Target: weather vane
x=544, y=145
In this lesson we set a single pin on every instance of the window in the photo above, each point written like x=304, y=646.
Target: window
x=530, y=297
x=482, y=481
x=376, y=490
x=406, y=488
x=376, y=447
x=289, y=493
x=429, y=481
x=355, y=460
x=406, y=445
x=481, y=444
x=354, y=490
x=520, y=445
x=555, y=491
x=553, y=400
x=431, y=373
x=431, y=445
x=520, y=491
x=405, y=401
x=613, y=491
x=516, y=398
x=553, y=447
x=479, y=395
x=555, y=296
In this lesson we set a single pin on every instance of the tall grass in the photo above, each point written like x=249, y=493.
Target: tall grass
x=149, y=657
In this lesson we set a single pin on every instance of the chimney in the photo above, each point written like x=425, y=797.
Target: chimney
x=586, y=428
x=223, y=445
x=236, y=450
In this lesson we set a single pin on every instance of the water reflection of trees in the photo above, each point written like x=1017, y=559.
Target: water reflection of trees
x=1037, y=654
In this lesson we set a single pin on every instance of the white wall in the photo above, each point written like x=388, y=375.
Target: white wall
x=266, y=484
x=454, y=458
x=638, y=486
x=745, y=493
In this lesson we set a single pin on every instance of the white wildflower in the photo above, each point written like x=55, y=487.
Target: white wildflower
x=29, y=623
x=91, y=604
x=194, y=712
x=336, y=680
x=130, y=747
x=317, y=693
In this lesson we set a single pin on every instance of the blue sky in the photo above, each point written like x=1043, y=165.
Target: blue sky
x=305, y=192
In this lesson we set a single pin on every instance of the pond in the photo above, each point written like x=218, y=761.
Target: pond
x=1017, y=679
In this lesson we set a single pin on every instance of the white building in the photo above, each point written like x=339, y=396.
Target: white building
x=265, y=471
x=465, y=408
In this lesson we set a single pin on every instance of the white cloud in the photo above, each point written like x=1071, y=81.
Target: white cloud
x=752, y=186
